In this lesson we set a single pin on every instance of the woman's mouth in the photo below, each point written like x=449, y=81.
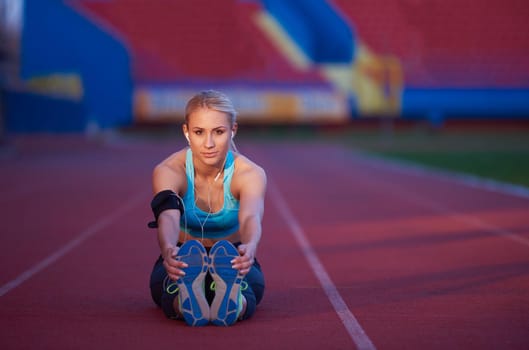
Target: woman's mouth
x=209, y=154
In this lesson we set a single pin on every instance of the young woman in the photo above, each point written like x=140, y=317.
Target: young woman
x=208, y=207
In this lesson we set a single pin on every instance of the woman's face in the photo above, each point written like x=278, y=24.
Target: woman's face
x=210, y=134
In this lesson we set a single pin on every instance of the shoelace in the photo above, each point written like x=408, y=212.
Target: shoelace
x=172, y=287
x=244, y=285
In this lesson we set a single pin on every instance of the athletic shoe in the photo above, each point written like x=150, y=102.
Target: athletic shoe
x=191, y=298
x=227, y=304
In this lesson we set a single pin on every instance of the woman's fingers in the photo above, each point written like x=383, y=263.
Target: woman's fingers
x=174, y=268
x=242, y=263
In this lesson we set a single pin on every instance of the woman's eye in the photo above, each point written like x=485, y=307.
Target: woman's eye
x=220, y=132
x=198, y=132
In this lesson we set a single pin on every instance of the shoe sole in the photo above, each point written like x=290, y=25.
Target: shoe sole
x=225, y=305
x=192, y=300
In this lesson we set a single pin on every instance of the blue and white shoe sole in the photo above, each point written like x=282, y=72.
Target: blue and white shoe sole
x=192, y=300
x=225, y=305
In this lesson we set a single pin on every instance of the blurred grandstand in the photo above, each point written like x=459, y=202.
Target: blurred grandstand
x=73, y=65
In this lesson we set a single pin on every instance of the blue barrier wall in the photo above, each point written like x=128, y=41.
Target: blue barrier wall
x=28, y=112
x=56, y=39
x=468, y=103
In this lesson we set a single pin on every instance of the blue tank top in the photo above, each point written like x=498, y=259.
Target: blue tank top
x=216, y=225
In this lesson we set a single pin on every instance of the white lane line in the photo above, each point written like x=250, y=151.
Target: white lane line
x=473, y=181
x=80, y=238
x=464, y=218
x=462, y=179
x=349, y=321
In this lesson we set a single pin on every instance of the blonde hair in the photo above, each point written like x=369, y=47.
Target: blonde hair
x=213, y=100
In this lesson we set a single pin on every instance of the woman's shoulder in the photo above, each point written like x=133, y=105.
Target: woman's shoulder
x=170, y=172
x=246, y=167
x=175, y=161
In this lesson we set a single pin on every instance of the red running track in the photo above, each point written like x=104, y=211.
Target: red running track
x=356, y=253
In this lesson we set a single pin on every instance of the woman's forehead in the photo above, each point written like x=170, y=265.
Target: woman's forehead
x=208, y=118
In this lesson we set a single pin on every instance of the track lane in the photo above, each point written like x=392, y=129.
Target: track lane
x=422, y=262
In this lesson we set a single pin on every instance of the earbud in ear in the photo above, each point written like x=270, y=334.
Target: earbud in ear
x=187, y=136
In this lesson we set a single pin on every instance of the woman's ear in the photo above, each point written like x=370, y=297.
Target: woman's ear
x=234, y=130
x=185, y=131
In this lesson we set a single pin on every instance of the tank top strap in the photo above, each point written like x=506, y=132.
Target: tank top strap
x=190, y=173
x=228, y=171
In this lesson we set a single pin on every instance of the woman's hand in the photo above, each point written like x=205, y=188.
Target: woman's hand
x=173, y=267
x=244, y=262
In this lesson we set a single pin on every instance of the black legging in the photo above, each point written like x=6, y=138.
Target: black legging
x=253, y=294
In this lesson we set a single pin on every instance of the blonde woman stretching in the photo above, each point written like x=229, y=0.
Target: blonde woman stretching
x=208, y=207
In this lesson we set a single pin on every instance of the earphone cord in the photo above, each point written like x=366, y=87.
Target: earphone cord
x=203, y=223
x=200, y=222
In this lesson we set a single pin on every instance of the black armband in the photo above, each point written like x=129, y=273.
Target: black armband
x=164, y=200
